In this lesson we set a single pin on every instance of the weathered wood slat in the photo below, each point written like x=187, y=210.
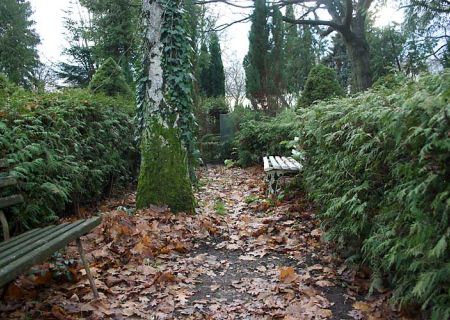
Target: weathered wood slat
x=274, y=163
x=12, y=270
x=267, y=166
x=283, y=165
x=10, y=201
x=296, y=163
x=28, y=245
x=292, y=165
x=21, y=237
x=7, y=181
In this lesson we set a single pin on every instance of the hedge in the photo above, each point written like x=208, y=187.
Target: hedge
x=258, y=138
x=66, y=149
x=378, y=165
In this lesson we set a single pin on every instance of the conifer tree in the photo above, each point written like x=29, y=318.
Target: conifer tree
x=255, y=63
x=18, y=40
x=204, y=74
x=110, y=80
x=215, y=70
x=276, y=76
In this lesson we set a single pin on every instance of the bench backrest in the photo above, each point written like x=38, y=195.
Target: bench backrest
x=9, y=200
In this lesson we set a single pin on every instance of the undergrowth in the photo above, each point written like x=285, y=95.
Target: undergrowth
x=66, y=149
x=378, y=165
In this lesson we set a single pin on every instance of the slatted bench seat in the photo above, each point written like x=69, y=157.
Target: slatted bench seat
x=19, y=253
x=276, y=166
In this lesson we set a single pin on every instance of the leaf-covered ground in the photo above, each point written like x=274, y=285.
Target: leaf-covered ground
x=242, y=256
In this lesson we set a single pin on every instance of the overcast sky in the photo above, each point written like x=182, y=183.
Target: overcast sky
x=48, y=15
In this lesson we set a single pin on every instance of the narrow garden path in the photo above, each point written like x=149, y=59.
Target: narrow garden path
x=241, y=257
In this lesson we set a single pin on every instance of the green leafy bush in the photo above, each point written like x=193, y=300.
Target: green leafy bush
x=258, y=138
x=110, y=80
x=322, y=84
x=378, y=164
x=65, y=148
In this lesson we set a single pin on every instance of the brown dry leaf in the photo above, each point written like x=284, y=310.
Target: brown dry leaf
x=59, y=313
x=287, y=275
x=324, y=283
x=363, y=306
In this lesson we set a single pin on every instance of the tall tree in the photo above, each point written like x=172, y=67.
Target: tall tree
x=348, y=17
x=215, y=69
x=276, y=71
x=164, y=98
x=81, y=50
x=386, y=45
x=115, y=24
x=298, y=54
x=18, y=40
x=427, y=26
x=255, y=62
x=338, y=60
x=107, y=30
x=203, y=62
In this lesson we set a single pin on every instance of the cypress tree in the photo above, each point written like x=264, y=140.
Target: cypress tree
x=299, y=54
x=204, y=74
x=276, y=75
x=216, y=71
x=256, y=60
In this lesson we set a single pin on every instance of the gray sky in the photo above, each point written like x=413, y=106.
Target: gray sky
x=48, y=15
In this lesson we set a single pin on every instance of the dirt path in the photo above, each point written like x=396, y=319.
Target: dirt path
x=241, y=257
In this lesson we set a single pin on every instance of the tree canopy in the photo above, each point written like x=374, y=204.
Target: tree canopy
x=18, y=41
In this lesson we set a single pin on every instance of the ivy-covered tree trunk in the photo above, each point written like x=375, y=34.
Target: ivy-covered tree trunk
x=165, y=109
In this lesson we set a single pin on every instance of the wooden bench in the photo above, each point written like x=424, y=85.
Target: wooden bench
x=276, y=166
x=19, y=253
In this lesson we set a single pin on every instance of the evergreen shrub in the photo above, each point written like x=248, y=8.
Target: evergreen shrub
x=322, y=83
x=65, y=148
x=110, y=80
x=378, y=165
x=258, y=138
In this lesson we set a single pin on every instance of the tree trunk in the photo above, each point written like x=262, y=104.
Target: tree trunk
x=164, y=174
x=358, y=53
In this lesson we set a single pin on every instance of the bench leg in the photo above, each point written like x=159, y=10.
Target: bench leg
x=86, y=267
x=272, y=178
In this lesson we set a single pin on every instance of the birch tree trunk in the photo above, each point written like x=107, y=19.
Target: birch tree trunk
x=164, y=173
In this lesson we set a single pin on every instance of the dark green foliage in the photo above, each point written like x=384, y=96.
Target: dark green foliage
x=258, y=138
x=109, y=30
x=256, y=60
x=298, y=54
x=211, y=71
x=65, y=148
x=109, y=79
x=215, y=69
x=204, y=74
x=378, y=166
x=322, y=84
x=18, y=40
x=339, y=60
x=208, y=114
x=386, y=48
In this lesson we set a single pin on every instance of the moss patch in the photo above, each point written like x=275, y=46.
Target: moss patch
x=164, y=177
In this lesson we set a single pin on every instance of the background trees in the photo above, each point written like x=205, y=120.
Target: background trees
x=96, y=31
x=18, y=40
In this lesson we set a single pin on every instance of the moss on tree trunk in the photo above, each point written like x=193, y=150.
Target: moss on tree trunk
x=164, y=177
